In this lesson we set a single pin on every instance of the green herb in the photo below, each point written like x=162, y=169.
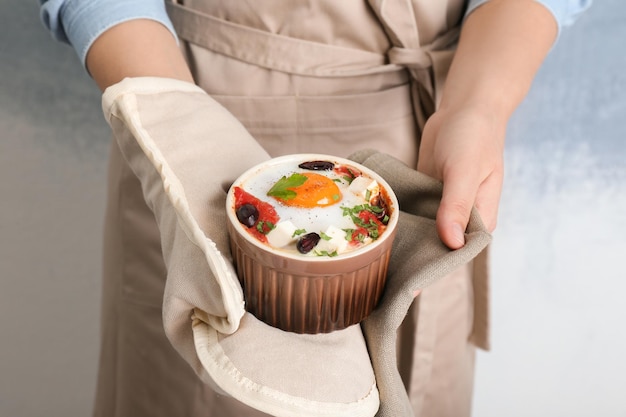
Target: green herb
x=359, y=222
x=348, y=178
x=325, y=236
x=265, y=226
x=371, y=226
x=349, y=233
x=336, y=197
x=349, y=211
x=326, y=253
x=298, y=232
x=354, y=211
x=368, y=194
x=281, y=188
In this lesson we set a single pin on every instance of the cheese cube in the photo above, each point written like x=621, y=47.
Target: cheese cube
x=362, y=186
x=333, y=240
x=282, y=234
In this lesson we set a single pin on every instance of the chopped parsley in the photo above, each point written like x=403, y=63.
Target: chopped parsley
x=265, y=226
x=326, y=253
x=368, y=222
x=349, y=233
x=325, y=236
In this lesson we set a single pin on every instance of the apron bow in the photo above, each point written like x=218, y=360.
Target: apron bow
x=411, y=58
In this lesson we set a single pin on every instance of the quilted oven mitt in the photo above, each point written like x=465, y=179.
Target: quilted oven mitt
x=186, y=150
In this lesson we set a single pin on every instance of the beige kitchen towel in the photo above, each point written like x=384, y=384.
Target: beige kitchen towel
x=418, y=258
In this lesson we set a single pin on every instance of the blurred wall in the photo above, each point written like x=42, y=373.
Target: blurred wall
x=53, y=152
x=558, y=337
x=558, y=308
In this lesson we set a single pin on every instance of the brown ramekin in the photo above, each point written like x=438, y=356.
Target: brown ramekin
x=310, y=294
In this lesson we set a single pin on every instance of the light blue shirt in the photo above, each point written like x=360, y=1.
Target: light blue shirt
x=80, y=22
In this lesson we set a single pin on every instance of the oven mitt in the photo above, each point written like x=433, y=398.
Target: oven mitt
x=418, y=258
x=186, y=150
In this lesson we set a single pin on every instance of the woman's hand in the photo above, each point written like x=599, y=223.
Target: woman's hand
x=464, y=148
x=502, y=45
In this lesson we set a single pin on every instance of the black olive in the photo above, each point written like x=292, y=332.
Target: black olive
x=381, y=211
x=317, y=165
x=247, y=214
x=307, y=242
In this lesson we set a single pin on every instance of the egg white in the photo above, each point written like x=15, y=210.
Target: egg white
x=316, y=219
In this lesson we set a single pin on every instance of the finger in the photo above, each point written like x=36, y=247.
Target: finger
x=459, y=194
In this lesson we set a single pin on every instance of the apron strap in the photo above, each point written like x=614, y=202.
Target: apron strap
x=273, y=51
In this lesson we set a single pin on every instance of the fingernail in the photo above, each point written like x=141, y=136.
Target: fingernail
x=458, y=234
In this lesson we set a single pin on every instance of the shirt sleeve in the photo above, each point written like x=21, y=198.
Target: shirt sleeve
x=80, y=22
x=565, y=12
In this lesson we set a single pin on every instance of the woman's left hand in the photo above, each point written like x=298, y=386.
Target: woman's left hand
x=501, y=47
x=464, y=148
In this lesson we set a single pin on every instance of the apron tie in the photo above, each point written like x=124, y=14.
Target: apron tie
x=411, y=58
x=419, y=63
x=420, y=60
x=427, y=64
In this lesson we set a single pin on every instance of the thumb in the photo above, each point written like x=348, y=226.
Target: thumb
x=459, y=194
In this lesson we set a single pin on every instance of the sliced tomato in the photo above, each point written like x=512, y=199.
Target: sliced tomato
x=267, y=213
x=347, y=171
x=370, y=218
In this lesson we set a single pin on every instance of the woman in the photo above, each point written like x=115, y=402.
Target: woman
x=432, y=83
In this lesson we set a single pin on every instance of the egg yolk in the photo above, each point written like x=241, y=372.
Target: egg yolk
x=316, y=191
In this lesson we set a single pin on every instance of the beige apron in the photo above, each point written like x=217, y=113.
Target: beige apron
x=319, y=76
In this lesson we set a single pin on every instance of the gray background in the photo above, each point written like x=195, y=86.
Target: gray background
x=558, y=341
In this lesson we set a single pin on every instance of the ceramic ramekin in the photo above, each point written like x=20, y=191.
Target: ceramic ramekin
x=310, y=294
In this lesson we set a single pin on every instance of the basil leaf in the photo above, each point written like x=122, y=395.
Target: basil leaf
x=281, y=188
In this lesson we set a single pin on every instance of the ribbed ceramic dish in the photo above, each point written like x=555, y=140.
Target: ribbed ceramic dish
x=310, y=294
